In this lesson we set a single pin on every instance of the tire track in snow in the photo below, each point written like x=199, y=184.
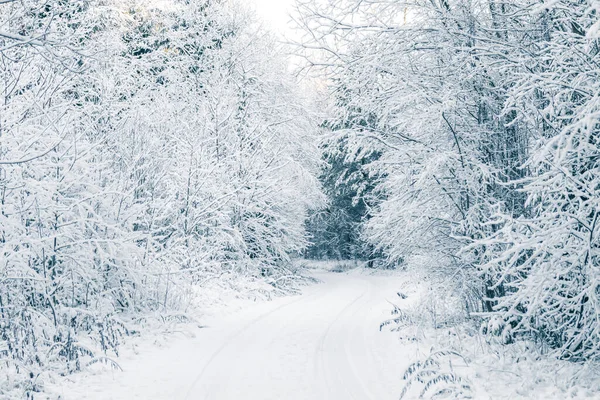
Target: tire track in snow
x=349, y=348
x=318, y=346
x=228, y=342
x=323, y=345
x=339, y=346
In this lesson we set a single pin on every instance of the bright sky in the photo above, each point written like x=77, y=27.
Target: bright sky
x=274, y=13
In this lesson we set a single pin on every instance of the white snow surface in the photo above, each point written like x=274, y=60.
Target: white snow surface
x=323, y=344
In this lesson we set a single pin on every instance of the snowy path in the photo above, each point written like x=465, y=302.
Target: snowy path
x=324, y=344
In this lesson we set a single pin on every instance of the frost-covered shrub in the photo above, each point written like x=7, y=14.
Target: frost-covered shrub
x=144, y=148
x=435, y=377
x=546, y=261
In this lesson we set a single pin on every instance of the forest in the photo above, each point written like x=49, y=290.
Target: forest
x=148, y=147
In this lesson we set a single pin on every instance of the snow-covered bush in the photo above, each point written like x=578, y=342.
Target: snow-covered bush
x=547, y=260
x=144, y=146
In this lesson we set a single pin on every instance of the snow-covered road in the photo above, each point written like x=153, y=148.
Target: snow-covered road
x=324, y=344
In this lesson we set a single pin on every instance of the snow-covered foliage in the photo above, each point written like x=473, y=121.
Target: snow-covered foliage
x=547, y=260
x=451, y=358
x=148, y=147
x=485, y=114
x=144, y=145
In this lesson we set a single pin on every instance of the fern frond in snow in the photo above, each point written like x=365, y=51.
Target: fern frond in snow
x=437, y=378
x=104, y=360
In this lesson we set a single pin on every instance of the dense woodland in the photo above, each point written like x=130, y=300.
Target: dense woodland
x=147, y=145
x=144, y=146
x=475, y=128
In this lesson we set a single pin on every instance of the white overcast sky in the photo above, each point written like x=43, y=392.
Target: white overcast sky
x=274, y=13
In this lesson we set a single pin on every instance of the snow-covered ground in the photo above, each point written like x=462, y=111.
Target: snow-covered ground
x=323, y=344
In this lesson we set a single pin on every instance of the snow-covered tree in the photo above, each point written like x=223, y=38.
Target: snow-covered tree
x=548, y=259
x=144, y=146
x=487, y=131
